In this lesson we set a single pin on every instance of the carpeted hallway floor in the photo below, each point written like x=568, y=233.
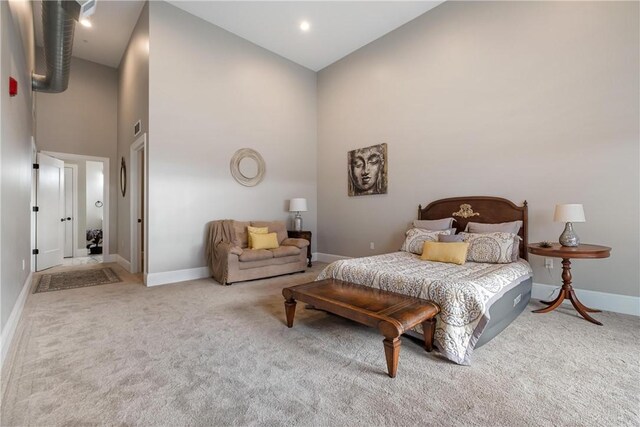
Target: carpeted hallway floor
x=197, y=353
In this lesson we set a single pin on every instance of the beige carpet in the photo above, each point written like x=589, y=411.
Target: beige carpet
x=197, y=353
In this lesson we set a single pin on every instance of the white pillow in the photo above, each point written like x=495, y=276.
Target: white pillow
x=503, y=227
x=433, y=224
x=415, y=238
x=494, y=248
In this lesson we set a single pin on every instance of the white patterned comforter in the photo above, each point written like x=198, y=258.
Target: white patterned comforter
x=463, y=292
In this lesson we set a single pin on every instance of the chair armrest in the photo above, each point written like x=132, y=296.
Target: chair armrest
x=299, y=243
x=229, y=248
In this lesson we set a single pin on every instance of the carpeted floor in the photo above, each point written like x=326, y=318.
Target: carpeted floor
x=198, y=353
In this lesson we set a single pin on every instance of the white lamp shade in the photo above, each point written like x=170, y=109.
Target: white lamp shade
x=298, y=205
x=569, y=213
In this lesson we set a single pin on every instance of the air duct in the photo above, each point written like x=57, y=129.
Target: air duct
x=57, y=30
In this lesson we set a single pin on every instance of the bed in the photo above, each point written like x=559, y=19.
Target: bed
x=477, y=300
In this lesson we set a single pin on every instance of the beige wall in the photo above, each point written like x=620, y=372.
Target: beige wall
x=83, y=120
x=210, y=94
x=16, y=130
x=523, y=100
x=133, y=105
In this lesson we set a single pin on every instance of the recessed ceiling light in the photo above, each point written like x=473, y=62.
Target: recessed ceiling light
x=86, y=23
x=304, y=26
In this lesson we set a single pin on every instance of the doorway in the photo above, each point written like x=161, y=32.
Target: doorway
x=138, y=158
x=82, y=229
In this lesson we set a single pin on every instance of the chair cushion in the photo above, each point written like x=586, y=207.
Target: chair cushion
x=283, y=251
x=263, y=241
x=248, y=265
x=255, y=254
x=256, y=230
x=299, y=243
x=278, y=227
x=240, y=228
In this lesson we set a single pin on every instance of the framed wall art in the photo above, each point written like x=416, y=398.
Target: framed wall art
x=367, y=170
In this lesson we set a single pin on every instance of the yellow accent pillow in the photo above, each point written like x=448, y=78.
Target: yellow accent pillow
x=255, y=230
x=264, y=241
x=453, y=253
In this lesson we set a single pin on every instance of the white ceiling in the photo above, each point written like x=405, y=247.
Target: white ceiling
x=337, y=27
x=105, y=42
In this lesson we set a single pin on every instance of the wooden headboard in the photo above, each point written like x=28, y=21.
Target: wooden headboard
x=484, y=209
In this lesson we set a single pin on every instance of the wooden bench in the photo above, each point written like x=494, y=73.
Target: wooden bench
x=390, y=312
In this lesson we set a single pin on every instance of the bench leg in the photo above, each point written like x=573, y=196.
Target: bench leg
x=290, y=310
x=429, y=330
x=392, y=352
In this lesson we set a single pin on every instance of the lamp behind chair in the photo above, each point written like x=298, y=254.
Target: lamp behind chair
x=297, y=205
x=568, y=214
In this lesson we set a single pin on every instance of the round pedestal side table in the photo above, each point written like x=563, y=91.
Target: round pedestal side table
x=568, y=253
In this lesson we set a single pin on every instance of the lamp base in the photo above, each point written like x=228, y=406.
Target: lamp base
x=297, y=222
x=569, y=237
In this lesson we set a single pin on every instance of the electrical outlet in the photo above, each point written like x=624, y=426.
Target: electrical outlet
x=23, y=265
x=548, y=263
x=372, y=245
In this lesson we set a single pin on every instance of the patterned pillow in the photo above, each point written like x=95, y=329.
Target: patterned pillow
x=416, y=237
x=495, y=248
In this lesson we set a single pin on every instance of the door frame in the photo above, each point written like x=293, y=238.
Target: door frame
x=74, y=247
x=105, y=193
x=139, y=145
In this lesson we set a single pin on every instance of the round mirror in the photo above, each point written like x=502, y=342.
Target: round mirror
x=247, y=167
x=123, y=177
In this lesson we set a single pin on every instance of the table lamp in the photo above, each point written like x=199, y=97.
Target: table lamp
x=297, y=205
x=568, y=214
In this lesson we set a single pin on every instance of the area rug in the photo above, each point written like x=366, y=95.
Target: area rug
x=76, y=279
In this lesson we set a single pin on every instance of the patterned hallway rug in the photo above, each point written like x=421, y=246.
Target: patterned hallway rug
x=76, y=279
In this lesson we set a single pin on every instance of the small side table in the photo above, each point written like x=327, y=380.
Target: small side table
x=302, y=235
x=567, y=292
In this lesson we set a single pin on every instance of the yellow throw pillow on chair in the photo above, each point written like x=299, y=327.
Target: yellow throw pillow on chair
x=255, y=230
x=264, y=241
x=453, y=253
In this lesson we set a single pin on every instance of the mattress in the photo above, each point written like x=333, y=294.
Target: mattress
x=465, y=293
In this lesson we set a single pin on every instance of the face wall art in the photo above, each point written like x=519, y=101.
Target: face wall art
x=367, y=169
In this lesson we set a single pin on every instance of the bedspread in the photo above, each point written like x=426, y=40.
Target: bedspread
x=464, y=292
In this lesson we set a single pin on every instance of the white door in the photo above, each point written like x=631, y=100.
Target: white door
x=68, y=212
x=141, y=218
x=50, y=218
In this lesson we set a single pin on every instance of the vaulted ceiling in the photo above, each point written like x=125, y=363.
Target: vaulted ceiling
x=336, y=28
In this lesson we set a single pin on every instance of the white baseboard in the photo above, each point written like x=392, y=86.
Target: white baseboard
x=166, y=277
x=329, y=257
x=624, y=304
x=122, y=262
x=12, y=323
